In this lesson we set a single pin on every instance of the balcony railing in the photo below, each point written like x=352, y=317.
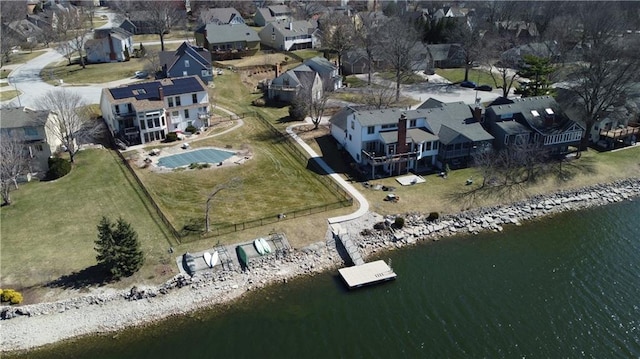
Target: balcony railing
x=374, y=160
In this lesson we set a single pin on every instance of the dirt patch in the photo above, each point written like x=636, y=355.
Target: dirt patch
x=307, y=132
x=251, y=78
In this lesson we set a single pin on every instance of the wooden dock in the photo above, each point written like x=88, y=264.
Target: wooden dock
x=367, y=274
x=362, y=273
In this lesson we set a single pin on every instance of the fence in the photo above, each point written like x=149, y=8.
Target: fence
x=345, y=201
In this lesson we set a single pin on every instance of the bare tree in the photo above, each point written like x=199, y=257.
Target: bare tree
x=69, y=122
x=65, y=49
x=609, y=67
x=317, y=107
x=232, y=184
x=12, y=10
x=366, y=37
x=13, y=163
x=338, y=35
x=7, y=41
x=88, y=8
x=398, y=47
x=152, y=58
x=469, y=39
x=160, y=16
x=379, y=96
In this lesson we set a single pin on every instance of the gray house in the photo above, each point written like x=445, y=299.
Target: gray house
x=532, y=120
x=271, y=13
x=229, y=41
x=290, y=35
x=285, y=87
x=327, y=70
x=187, y=60
x=221, y=16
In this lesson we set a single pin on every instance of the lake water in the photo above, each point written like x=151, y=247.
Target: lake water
x=565, y=286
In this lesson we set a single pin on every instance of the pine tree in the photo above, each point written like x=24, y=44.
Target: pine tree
x=118, y=248
x=129, y=255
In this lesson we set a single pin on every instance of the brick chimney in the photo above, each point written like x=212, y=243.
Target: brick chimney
x=402, y=140
x=161, y=93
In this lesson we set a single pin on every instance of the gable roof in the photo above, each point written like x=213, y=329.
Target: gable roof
x=339, y=119
x=279, y=9
x=541, y=113
x=198, y=54
x=292, y=28
x=320, y=65
x=146, y=95
x=229, y=33
x=431, y=103
x=18, y=117
x=117, y=32
x=221, y=15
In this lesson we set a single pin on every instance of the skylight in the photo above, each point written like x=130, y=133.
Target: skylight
x=548, y=111
x=535, y=113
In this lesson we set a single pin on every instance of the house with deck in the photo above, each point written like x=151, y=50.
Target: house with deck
x=532, y=120
x=187, y=60
x=290, y=35
x=34, y=128
x=143, y=112
x=396, y=141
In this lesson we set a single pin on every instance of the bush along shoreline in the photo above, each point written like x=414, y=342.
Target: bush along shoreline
x=34, y=325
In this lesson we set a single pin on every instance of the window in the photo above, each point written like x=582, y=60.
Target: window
x=142, y=125
x=170, y=101
x=175, y=113
x=149, y=123
x=177, y=100
x=129, y=108
x=117, y=110
x=157, y=122
x=273, y=37
x=185, y=73
x=413, y=123
x=370, y=130
x=428, y=146
x=189, y=123
x=349, y=137
x=353, y=125
x=186, y=113
x=186, y=63
x=204, y=73
x=194, y=98
x=30, y=131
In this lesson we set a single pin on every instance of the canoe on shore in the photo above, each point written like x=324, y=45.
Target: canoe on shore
x=214, y=259
x=242, y=256
x=207, y=258
x=265, y=245
x=259, y=247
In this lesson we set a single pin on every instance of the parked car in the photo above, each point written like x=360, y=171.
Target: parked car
x=484, y=88
x=141, y=75
x=468, y=84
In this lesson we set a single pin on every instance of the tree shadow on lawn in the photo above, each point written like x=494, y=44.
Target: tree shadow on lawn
x=90, y=276
x=473, y=197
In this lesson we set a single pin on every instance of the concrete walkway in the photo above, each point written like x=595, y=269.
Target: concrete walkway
x=362, y=201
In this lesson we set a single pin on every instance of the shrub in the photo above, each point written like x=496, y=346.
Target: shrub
x=399, y=222
x=171, y=137
x=11, y=296
x=259, y=102
x=380, y=226
x=433, y=216
x=191, y=129
x=58, y=167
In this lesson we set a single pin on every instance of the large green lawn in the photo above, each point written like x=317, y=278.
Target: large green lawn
x=50, y=228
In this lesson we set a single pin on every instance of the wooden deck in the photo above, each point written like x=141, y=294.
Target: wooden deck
x=619, y=133
x=367, y=274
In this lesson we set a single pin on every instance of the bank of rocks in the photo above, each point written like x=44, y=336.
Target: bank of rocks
x=419, y=227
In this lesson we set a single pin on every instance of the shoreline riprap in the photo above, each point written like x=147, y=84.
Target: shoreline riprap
x=31, y=326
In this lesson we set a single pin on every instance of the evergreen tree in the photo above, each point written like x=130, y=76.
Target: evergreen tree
x=537, y=70
x=127, y=56
x=118, y=248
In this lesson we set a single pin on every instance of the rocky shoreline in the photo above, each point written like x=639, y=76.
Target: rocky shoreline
x=31, y=326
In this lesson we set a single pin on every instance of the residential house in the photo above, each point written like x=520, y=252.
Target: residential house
x=34, y=128
x=286, y=86
x=538, y=121
x=356, y=61
x=290, y=35
x=327, y=70
x=109, y=45
x=187, y=60
x=444, y=56
x=221, y=16
x=395, y=141
x=228, y=41
x=129, y=26
x=23, y=30
x=518, y=29
x=271, y=13
x=142, y=112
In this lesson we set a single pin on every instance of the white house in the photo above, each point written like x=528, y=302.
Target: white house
x=290, y=35
x=146, y=111
x=33, y=127
x=109, y=45
x=395, y=141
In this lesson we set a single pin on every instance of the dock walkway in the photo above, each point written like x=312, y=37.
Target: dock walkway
x=349, y=245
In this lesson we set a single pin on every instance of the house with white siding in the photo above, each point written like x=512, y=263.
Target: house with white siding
x=290, y=35
x=395, y=141
x=143, y=112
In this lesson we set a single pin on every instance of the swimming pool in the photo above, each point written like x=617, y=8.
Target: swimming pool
x=203, y=155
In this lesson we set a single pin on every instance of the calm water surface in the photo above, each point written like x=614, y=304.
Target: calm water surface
x=567, y=286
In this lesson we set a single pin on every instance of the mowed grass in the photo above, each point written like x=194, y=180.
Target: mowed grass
x=480, y=77
x=8, y=95
x=74, y=74
x=24, y=56
x=49, y=230
x=272, y=182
